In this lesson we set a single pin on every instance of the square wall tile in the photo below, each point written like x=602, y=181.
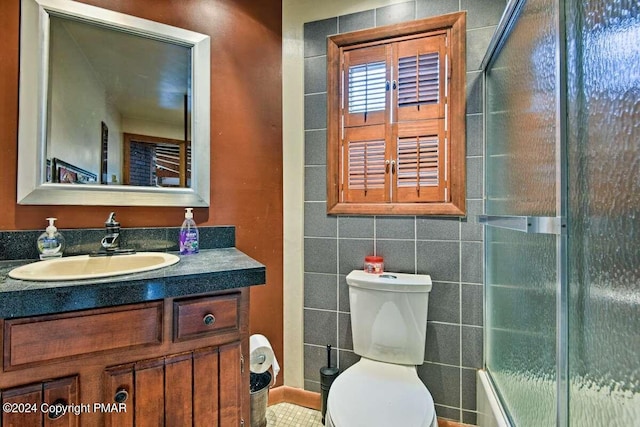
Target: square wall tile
x=444, y=303
x=351, y=253
x=320, y=327
x=355, y=227
x=316, y=221
x=472, y=347
x=429, y=8
x=320, y=255
x=395, y=13
x=474, y=134
x=356, y=21
x=477, y=44
x=472, y=305
x=469, y=389
x=443, y=382
x=483, y=14
x=315, y=36
x=315, y=111
x=345, y=339
x=315, y=74
x=441, y=260
x=315, y=147
x=399, y=255
x=443, y=343
x=472, y=267
x=474, y=92
x=343, y=294
x=395, y=227
x=315, y=357
x=315, y=180
x=321, y=291
x=475, y=177
x=437, y=228
x=470, y=418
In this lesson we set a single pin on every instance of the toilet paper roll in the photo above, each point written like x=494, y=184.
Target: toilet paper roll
x=262, y=356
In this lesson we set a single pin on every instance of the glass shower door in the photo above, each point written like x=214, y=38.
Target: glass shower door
x=604, y=197
x=525, y=242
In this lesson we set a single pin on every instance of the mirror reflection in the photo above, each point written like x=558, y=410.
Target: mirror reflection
x=118, y=107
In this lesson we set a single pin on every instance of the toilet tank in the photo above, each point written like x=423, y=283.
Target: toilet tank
x=389, y=315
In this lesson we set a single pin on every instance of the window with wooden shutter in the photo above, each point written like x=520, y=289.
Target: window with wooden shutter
x=396, y=119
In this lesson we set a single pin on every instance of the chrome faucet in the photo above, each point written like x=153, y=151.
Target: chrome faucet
x=110, y=242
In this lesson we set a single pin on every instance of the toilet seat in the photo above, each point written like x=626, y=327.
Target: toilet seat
x=378, y=394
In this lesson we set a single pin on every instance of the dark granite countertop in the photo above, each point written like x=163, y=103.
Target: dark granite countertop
x=209, y=271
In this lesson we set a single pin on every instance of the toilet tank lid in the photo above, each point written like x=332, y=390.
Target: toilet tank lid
x=390, y=282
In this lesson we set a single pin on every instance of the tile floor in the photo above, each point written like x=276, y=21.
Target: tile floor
x=290, y=415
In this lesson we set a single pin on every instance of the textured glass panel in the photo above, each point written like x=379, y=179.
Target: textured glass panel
x=604, y=213
x=521, y=323
x=521, y=117
x=521, y=174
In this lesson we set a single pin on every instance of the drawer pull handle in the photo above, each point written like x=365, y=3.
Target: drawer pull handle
x=57, y=409
x=209, y=319
x=121, y=396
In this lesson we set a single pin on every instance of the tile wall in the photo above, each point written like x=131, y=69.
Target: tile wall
x=449, y=249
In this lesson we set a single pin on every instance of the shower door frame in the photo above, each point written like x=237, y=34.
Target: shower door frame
x=535, y=224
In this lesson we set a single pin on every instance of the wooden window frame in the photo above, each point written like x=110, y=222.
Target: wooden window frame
x=456, y=24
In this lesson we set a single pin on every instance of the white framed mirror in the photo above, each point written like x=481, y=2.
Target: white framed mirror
x=114, y=109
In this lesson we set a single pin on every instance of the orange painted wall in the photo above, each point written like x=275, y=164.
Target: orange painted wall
x=246, y=136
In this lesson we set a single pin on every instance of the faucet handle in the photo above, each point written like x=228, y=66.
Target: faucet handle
x=111, y=221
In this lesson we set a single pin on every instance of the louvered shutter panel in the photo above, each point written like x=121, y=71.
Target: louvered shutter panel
x=419, y=79
x=367, y=87
x=365, y=95
x=421, y=174
x=421, y=66
x=365, y=178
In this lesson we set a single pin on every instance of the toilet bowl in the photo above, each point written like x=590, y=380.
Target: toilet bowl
x=379, y=394
x=388, y=324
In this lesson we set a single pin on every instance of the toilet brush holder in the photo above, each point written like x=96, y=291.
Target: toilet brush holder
x=327, y=375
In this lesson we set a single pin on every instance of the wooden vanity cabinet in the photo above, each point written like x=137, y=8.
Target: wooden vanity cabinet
x=172, y=362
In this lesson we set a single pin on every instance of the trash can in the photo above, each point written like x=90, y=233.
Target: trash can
x=259, y=390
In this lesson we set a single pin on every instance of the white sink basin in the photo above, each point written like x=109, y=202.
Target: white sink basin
x=86, y=267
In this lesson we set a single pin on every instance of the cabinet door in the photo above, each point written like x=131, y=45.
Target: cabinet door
x=59, y=395
x=118, y=388
x=26, y=403
x=23, y=406
x=205, y=387
x=149, y=391
x=231, y=385
x=178, y=391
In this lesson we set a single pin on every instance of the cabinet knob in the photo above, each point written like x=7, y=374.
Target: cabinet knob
x=57, y=409
x=121, y=396
x=209, y=319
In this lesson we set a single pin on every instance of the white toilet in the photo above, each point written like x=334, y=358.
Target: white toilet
x=389, y=325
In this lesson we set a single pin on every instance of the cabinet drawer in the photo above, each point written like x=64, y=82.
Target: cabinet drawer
x=39, y=339
x=197, y=317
